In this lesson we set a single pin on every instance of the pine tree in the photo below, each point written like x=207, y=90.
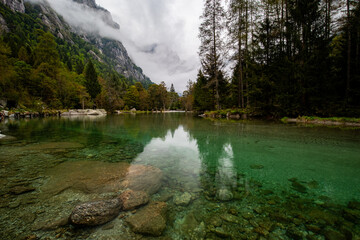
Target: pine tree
x=237, y=20
x=92, y=84
x=212, y=44
x=172, y=89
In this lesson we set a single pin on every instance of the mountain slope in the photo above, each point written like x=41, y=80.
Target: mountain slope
x=43, y=61
x=109, y=51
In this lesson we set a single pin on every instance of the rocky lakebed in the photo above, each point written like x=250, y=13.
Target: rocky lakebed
x=67, y=190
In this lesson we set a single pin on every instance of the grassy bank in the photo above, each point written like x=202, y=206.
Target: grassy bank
x=331, y=121
x=238, y=113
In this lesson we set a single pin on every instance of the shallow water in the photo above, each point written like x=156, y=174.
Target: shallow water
x=247, y=180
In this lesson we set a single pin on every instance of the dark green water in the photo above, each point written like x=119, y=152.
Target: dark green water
x=247, y=180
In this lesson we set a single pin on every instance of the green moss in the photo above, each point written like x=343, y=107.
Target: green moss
x=284, y=119
x=224, y=112
x=333, y=119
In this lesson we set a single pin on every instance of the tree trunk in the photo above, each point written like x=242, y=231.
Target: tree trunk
x=357, y=51
x=348, y=70
x=246, y=54
x=241, y=83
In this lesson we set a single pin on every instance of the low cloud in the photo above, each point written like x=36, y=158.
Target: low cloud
x=160, y=35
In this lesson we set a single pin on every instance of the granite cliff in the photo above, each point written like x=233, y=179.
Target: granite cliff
x=111, y=51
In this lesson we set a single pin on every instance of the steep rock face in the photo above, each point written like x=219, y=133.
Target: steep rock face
x=105, y=14
x=3, y=25
x=116, y=51
x=51, y=19
x=15, y=5
x=113, y=51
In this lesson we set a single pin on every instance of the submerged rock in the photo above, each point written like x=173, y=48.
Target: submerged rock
x=150, y=220
x=298, y=187
x=102, y=177
x=54, y=146
x=6, y=137
x=256, y=166
x=354, y=205
x=229, y=218
x=143, y=178
x=183, y=199
x=224, y=194
x=50, y=224
x=191, y=228
x=95, y=213
x=17, y=190
x=132, y=199
x=219, y=231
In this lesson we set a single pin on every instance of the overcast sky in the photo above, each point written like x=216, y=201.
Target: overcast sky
x=160, y=36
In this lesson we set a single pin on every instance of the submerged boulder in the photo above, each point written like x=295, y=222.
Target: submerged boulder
x=132, y=199
x=102, y=177
x=95, y=213
x=224, y=194
x=150, y=220
x=143, y=178
x=85, y=176
x=53, y=146
x=183, y=199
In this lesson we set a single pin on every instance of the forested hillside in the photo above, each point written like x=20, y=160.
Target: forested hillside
x=44, y=64
x=286, y=57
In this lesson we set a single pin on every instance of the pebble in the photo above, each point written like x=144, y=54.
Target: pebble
x=229, y=218
x=221, y=232
x=183, y=199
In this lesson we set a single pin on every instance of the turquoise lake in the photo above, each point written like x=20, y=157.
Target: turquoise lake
x=245, y=179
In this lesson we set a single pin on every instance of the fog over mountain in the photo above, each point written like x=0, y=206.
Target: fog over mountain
x=160, y=35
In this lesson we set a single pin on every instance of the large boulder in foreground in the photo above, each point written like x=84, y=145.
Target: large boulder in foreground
x=95, y=213
x=102, y=177
x=150, y=220
x=132, y=199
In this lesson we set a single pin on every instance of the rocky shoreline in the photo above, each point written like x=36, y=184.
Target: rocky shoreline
x=321, y=122
x=51, y=113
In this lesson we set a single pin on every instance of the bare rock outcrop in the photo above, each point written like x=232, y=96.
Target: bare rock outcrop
x=15, y=5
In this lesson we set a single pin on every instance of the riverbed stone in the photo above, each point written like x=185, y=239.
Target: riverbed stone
x=54, y=146
x=191, y=228
x=321, y=216
x=182, y=199
x=256, y=166
x=229, y=218
x=149, y=220
x=354, y=205
x=224, y=194
x=95, y=213
x=18, y=190
x=298, y=187
x=219, y=231
x=143, y=178
x=102, y=177
x=132, y=199
x=50, y=224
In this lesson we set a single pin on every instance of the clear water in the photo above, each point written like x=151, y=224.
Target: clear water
x=268, y=169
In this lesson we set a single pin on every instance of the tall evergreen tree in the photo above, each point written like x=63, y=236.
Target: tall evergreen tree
x=92, y=84
x=212, y=44
x=237, y=20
